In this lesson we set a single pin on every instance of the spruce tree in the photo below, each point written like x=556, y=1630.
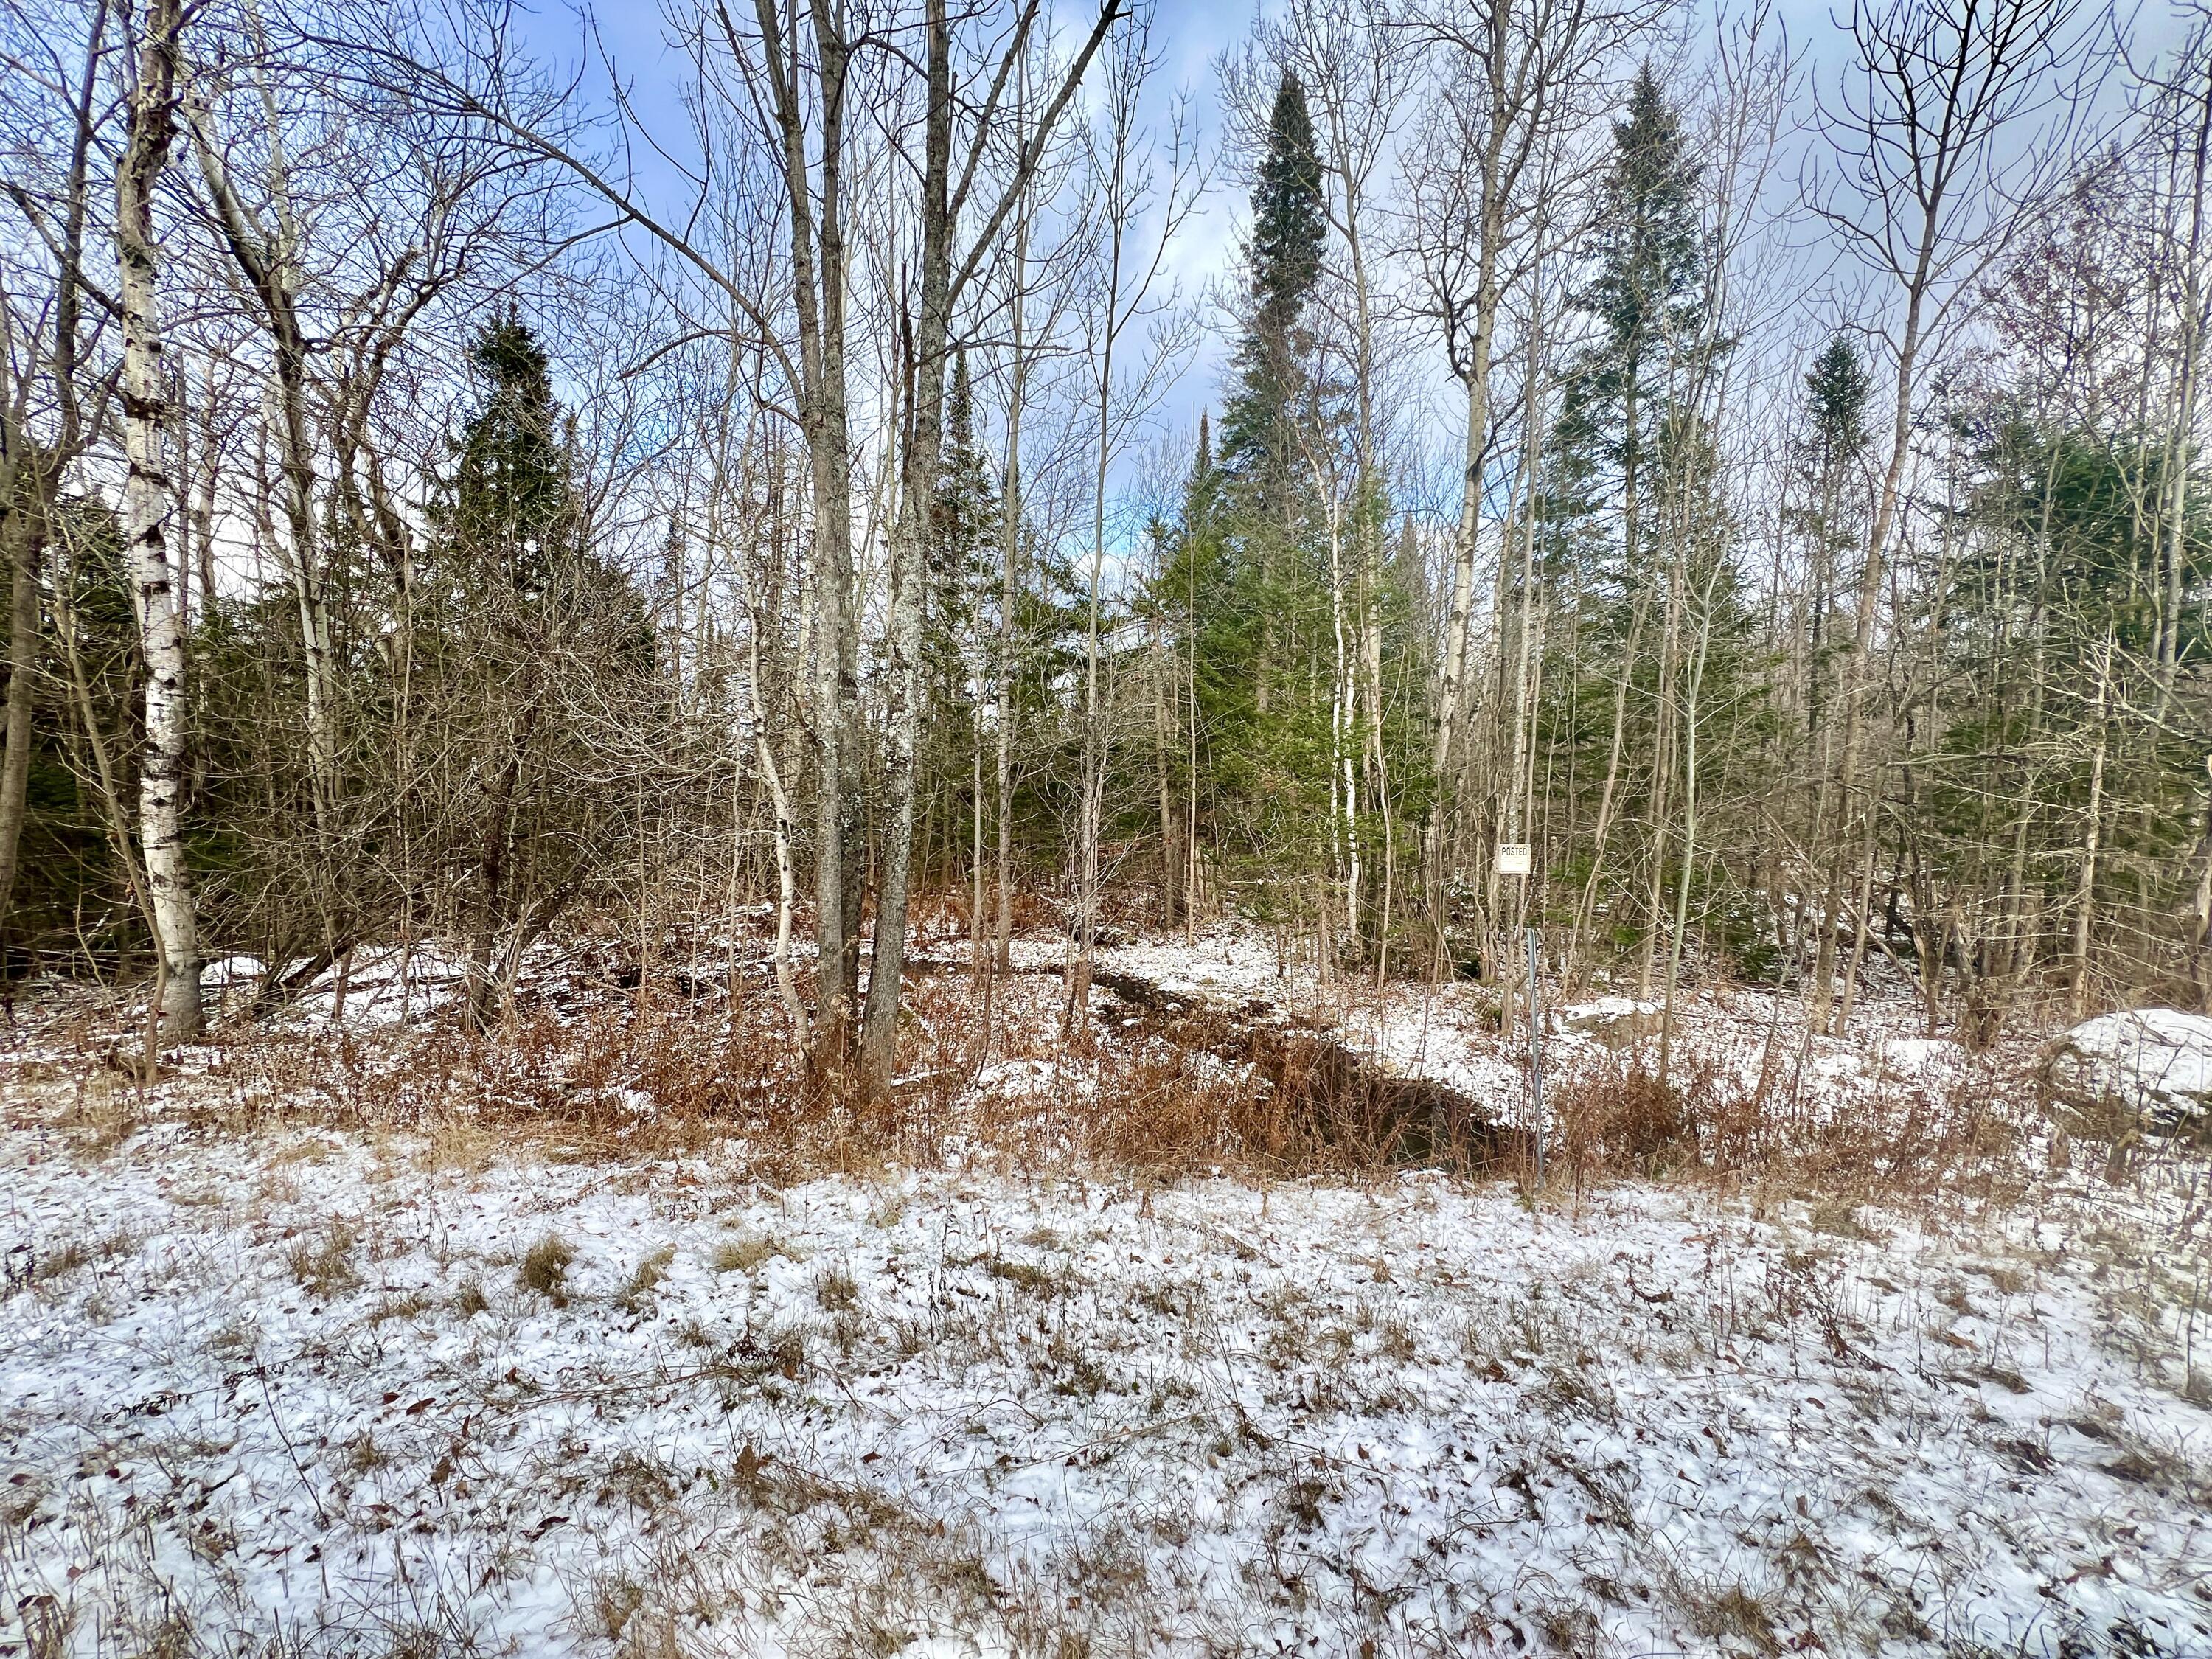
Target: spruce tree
x=70, y=890
x=964, y=526
x=1265, y=521
x=507, y=511
x=1259, y=438
x=1629, y=519
x=524, y=634
x=1646, y=295
x=1836, y=390
x=965, y=517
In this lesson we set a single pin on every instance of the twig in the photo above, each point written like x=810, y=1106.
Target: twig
x=276, y=1422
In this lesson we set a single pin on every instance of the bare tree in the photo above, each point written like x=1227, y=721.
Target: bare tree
x=149, y=495
x=943, y=277
x=1934, y=173
x=1513, y=78
x=1128, y=189
x=270, y=257
x=42, y=351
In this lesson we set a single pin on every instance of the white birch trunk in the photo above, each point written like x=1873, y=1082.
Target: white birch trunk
x=147, y=496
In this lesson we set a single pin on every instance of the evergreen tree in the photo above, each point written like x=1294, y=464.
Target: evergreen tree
x=527, y=635
x=71, y=893
x=1264, y=594
x=506, y=507
x=1836, y=390
x=1212, y=603
x=1649, y=255
x=1634, y=533
x=2048, y=625
x=1646, y=297
x=963, y=530
x=963, y=522
x=1259, y=433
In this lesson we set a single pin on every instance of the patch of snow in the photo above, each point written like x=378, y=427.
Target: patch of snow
x=2157, y=1061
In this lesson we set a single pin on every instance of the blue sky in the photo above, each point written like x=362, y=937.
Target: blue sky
x=1191, y=38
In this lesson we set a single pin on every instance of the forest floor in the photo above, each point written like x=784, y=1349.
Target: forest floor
x=353, y=1336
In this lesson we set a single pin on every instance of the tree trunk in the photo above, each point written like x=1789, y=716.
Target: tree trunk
x=2085, y=890
x=1451, y=688
x=817, y=260
x=1163, y=726
x=22, y=538
x=269, y=265
x=31, y=474
x=1009, y=586
x=787, y=889
x=909, y=552
x=491, y=881
x=147, y=497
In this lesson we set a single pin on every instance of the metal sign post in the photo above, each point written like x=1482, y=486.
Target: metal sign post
x=1518, y=858
x=1536, y=1055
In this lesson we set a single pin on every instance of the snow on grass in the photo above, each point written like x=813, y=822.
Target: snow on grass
x=325, y=1390
x=1744, y=1039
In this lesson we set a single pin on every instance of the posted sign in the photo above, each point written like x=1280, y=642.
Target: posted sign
x=1514, y=858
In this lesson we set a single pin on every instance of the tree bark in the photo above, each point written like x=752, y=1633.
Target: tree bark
x=22, y=537
x=1009, y=589
x=817, y=258
x=146, y=499
x=269, y=264
x=31, y=473
x=909, y=555
x=2085, y=890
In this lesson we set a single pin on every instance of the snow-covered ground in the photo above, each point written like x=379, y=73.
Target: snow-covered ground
x=270, y=1386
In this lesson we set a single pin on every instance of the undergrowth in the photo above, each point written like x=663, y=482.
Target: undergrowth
x=986, y=1072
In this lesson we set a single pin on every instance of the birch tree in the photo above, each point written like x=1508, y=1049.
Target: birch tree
x=149, y=493
x=942, y=280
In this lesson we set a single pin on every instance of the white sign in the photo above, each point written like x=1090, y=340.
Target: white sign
x=1514, y=858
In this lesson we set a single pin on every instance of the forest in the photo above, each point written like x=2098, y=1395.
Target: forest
x=909, y=459
x=1049, y=829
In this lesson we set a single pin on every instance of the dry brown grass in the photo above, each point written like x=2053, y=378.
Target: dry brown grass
x=323, y=1266
x=638, y=1293
x=675, y=1066
x=1169, y=1114
x=545, y=1268
x=625, y=1078
x=1613, y=1118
